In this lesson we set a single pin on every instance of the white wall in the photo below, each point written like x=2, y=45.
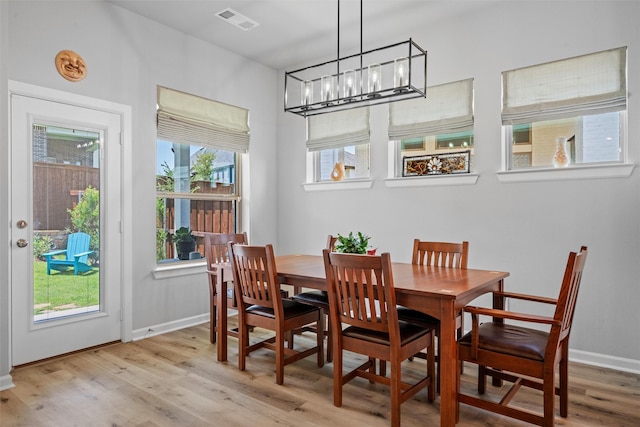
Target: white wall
x=127, y=56
x=527, y=229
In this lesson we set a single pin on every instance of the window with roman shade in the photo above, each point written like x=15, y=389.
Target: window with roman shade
x=566, y=113
x=198, y=152
x=583, y=85
x=338, y=146
x=448, y=108
x=338, y=129
x=436, y=131
x=183, y=117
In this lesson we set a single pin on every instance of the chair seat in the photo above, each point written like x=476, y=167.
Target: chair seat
x=291, y=309
x=414, y=316
x=408, y=332
x=514, y=340
x=318, y=298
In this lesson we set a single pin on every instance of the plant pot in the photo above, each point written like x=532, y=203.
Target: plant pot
x=183, y=248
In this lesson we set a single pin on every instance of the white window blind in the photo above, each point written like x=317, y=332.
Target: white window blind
x=447, y=108
x=583, y=85
x=190, y=119
x=338, y=129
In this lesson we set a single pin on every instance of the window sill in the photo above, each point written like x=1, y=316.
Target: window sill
x=179, y=269
x=432, y=181
x=618, y=170
x=352, y=184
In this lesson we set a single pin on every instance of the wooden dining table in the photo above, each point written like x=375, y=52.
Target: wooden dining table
x=438, y=291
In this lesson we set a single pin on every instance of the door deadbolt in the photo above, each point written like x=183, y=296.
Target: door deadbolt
x=21, y=224
x=21, y=243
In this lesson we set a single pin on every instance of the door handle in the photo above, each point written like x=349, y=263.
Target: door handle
x=21, y=243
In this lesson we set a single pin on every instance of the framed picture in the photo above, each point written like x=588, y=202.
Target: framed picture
x=436, y=164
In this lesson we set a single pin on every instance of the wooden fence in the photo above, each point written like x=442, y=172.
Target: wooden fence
x=205, y=216
x=57, y=188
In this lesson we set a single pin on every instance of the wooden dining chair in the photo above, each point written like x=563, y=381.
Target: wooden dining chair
x=260, y=304
x=362, y=297
x=215, y=252
x=320, y=299
x=440, y=254
x=521, y=355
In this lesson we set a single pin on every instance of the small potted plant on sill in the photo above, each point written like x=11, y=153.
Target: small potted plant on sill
x=354, y=244
x=185, y=242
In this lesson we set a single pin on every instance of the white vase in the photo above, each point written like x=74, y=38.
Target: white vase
x=560, y=157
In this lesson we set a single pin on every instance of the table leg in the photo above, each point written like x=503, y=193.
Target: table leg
x=448, y=364
x=221, y=295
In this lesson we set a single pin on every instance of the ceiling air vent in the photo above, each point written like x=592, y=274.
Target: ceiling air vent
x=239, y=20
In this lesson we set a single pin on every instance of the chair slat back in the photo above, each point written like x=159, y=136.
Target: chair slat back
x=361, y=291
x=255, y=275
x=440, y=254
x=215, y=246
x=566, y=305
x=77, y=243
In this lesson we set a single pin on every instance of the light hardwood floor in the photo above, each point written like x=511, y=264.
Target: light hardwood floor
x=174, y=380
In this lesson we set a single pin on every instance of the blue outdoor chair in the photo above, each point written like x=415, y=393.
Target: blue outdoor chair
x=76, y=255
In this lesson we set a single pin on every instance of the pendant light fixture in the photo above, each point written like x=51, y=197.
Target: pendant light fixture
x=386, y=74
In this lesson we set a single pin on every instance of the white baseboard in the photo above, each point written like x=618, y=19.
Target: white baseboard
x=605, y=361
x=6, y=382
x=163, y=328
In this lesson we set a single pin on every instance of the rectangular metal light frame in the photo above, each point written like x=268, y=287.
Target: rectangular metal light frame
x=416, y=85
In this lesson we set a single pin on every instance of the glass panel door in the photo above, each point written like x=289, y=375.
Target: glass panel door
x=66, y=221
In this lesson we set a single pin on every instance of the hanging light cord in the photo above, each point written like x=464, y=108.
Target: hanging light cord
x=338, y=45
x=361, y=69
x=338, y=49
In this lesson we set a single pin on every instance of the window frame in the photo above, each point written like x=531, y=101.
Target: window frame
x=348, y=184
x=438, y=116
x=620, y=169
x=590, y=170
x=235, y=197
x=188, y=121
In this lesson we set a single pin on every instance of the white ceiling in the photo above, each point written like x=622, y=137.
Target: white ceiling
x=300, y=32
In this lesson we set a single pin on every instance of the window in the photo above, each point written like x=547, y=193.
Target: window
x=339, y=144
x=353, y=160
x=441, y=123
x=574, y=107
x=197, y=158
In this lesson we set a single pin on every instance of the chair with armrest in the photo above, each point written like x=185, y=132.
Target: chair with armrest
x=521, y=355
x=260, y=304
x=440, y=254
x=320, y=299
x=216, y=252
x=76, y=255
x=362, y=297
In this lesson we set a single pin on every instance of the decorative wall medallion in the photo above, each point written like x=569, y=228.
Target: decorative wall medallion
x=437, y=164
x=70, y=65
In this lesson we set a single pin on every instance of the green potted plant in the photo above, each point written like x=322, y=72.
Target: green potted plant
x=185, y=242
x=353, y=244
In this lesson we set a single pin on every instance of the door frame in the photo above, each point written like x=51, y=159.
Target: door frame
x=126, y=250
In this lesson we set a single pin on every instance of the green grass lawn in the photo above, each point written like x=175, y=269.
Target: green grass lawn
x=51, y=292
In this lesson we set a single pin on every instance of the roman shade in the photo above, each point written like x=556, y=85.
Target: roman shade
x=583, y=85
x=447, y=108
x=191, y=119
x=337, y=130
